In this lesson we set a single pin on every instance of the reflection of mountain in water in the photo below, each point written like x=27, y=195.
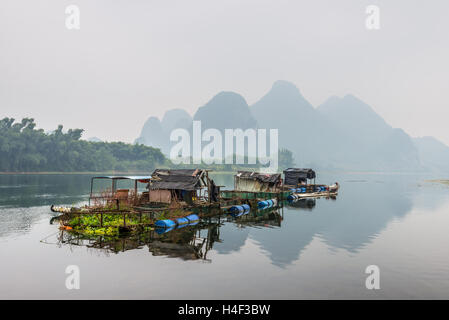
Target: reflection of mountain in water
x=364, y=207
x=361, y=211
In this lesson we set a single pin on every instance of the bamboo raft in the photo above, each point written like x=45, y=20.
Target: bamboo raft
x=204, y=198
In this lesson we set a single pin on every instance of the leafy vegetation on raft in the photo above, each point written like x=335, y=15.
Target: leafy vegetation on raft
x=90, y=224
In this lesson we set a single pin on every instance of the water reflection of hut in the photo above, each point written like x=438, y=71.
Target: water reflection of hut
x=262, y=218
x=307, y=203
x=187, y=185
x=189, y=243
x=257, y=182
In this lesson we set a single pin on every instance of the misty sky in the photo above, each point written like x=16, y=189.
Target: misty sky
x=134, y=59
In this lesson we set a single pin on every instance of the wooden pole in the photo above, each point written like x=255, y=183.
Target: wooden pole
x=91, y=188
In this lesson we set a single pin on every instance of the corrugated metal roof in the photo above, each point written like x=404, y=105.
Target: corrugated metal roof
x=124, y=177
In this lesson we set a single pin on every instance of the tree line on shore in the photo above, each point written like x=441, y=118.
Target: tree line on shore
x=23, y=148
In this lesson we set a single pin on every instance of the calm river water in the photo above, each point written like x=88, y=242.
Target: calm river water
x=316, y=249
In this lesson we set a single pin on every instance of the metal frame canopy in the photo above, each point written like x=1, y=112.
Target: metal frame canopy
x=141, y=179
x=147, y=178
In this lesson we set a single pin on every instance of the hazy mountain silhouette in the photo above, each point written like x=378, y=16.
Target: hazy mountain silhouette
x=176, y=118
x=302, y=129
x=433, y=154
x=156, y=133
x=342, y=133
x=94, y=139
x=365, y=140
x=226, y=110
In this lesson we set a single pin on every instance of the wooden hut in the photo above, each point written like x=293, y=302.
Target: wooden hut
x=257, y=182
x=182, y=185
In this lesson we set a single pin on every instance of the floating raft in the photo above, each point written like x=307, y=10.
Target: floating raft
x=176, y=222
x=318, y=194
x=230, y=194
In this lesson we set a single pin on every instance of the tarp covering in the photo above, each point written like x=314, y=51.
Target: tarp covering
x=293, y=176
x=256, y=182
x=183, y=179
x=262, y=177
x=177, y=172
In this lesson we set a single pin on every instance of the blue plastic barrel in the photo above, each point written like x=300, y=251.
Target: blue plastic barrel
x=163, y=230
x=192, y=218
x=181, y=221
x=179, y=226
x=165, y=223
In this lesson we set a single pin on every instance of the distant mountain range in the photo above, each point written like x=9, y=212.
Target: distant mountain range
x=342, y=133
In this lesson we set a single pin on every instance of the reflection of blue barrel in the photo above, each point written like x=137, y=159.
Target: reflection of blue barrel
x=163, y=230
x=238, y=209
x=292, y=197
x=268, y=203
x=165, y=223
x=238, y=214
x=262, y=204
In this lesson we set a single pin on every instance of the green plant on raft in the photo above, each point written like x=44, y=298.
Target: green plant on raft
x=89, y=231
x=90, y=224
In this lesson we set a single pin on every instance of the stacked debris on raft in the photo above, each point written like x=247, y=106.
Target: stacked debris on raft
x=295, y=176
x=186, y=185
x=257, y=182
